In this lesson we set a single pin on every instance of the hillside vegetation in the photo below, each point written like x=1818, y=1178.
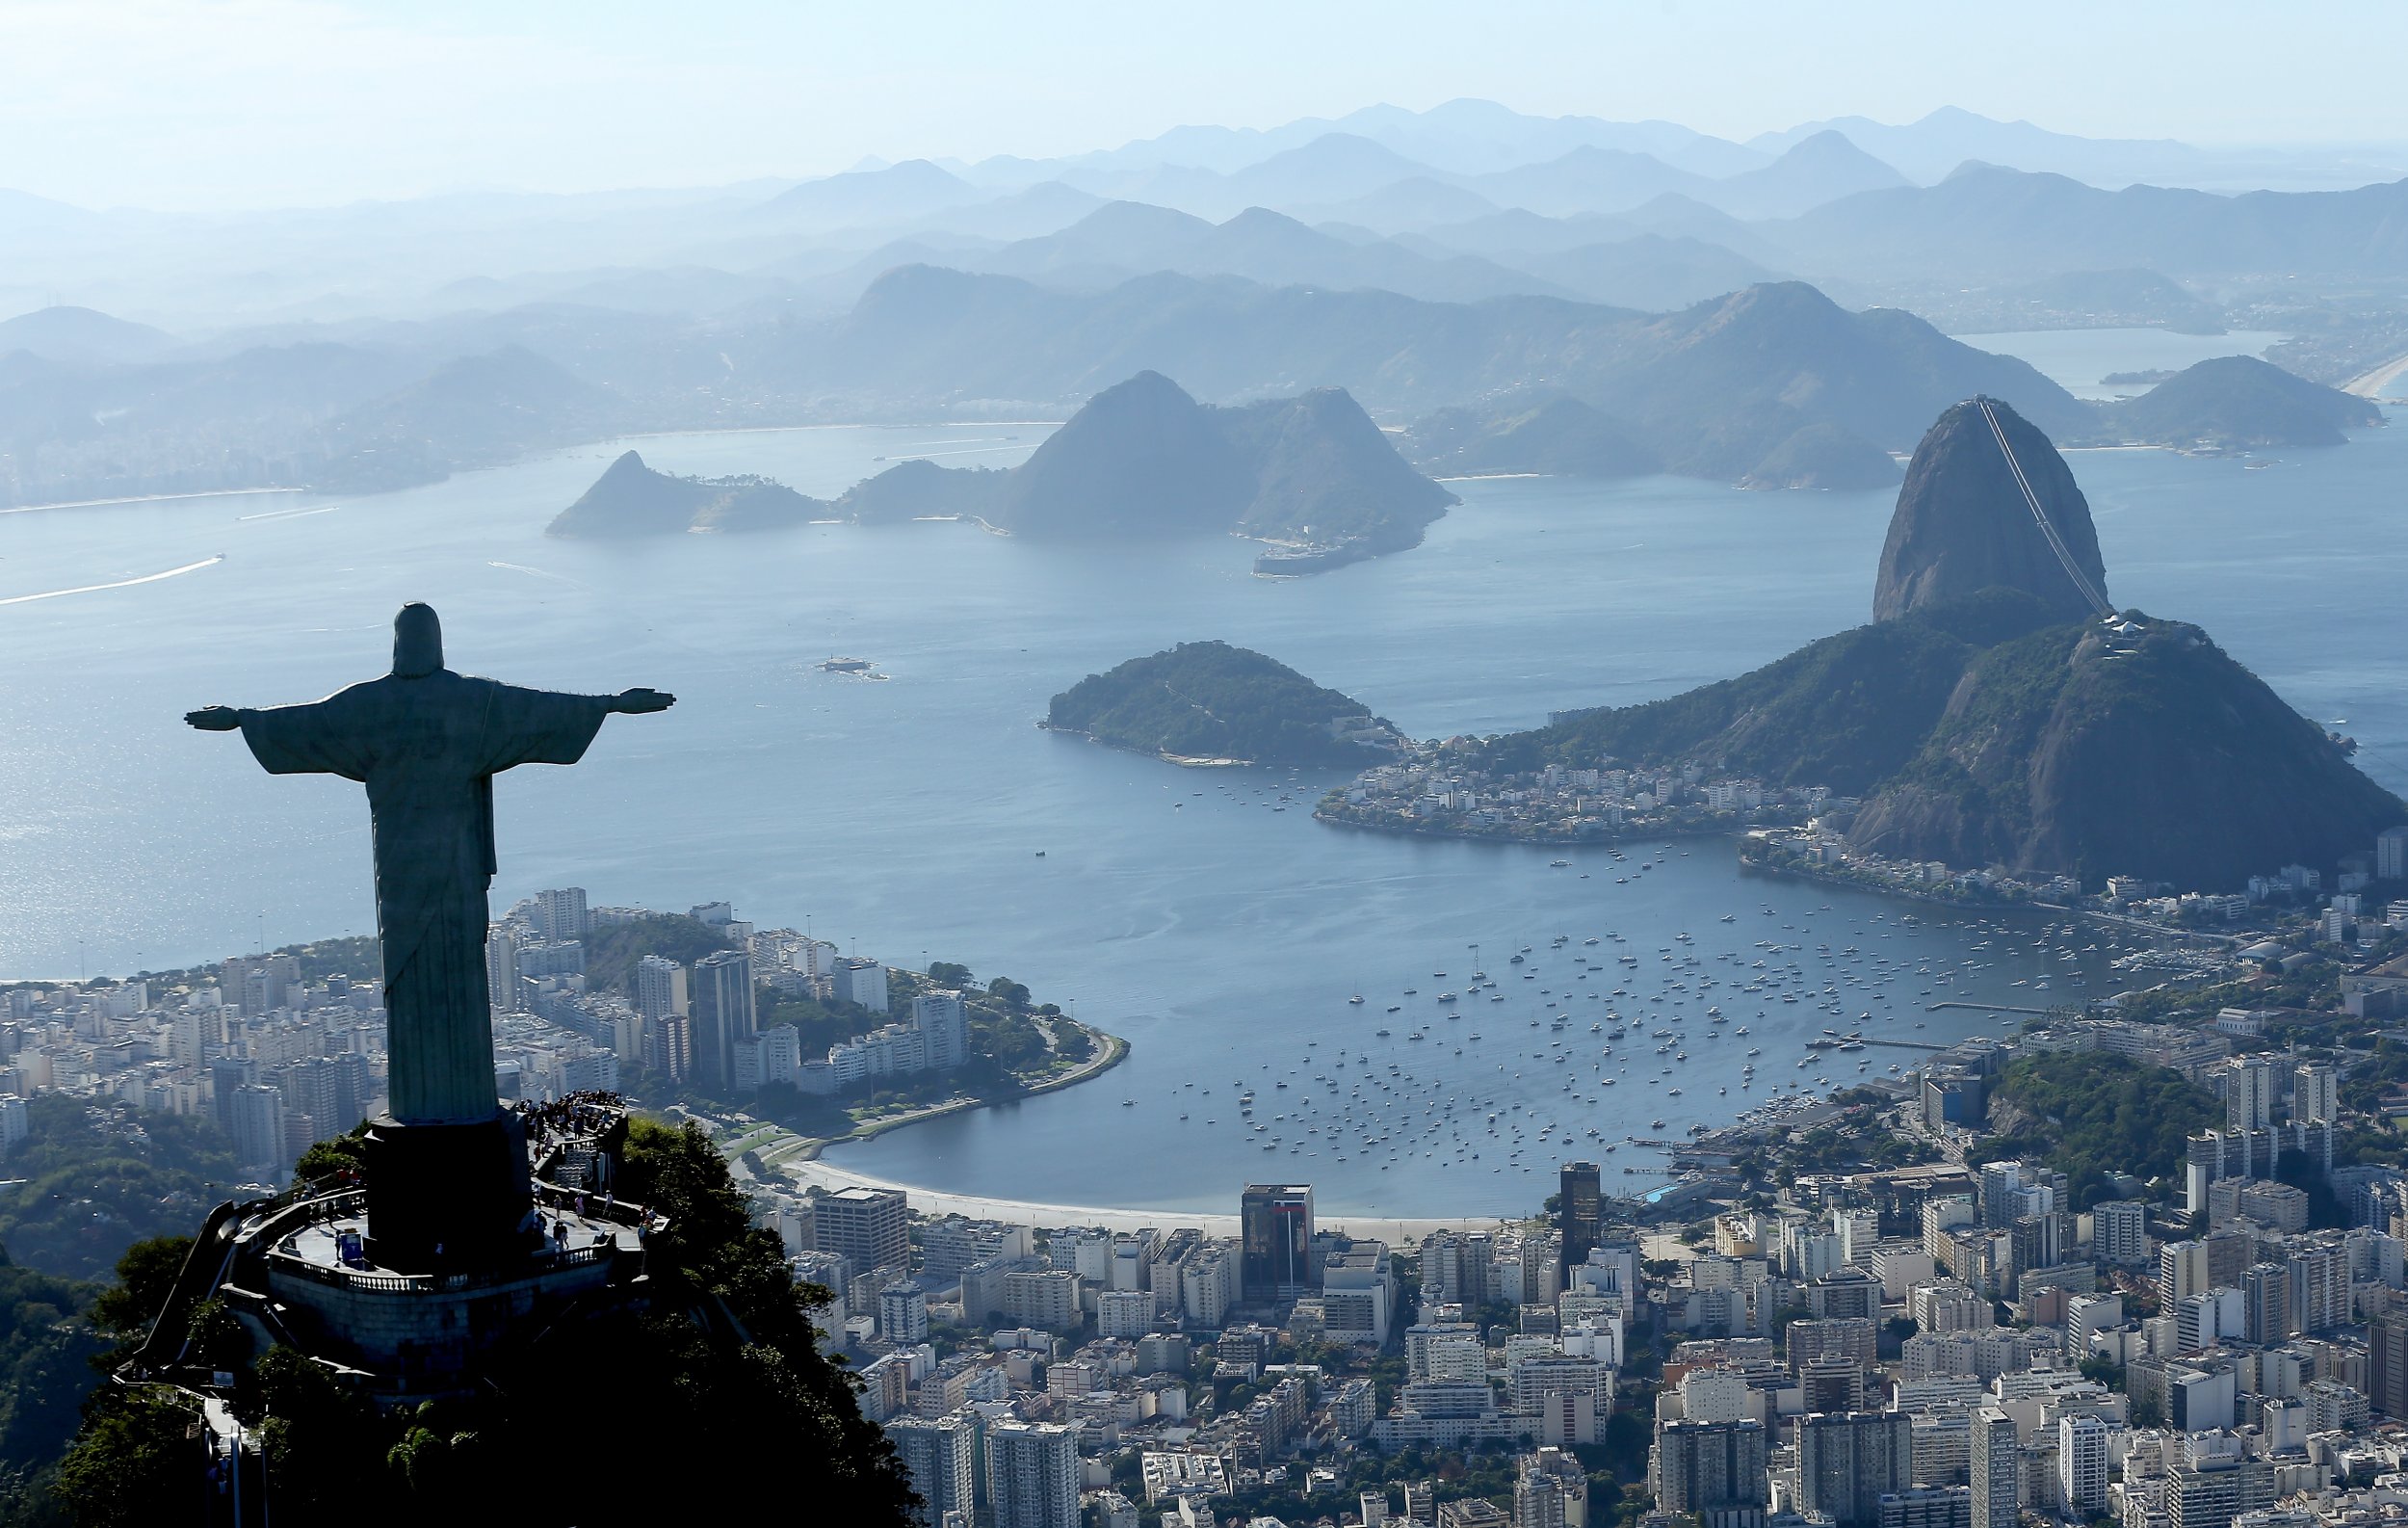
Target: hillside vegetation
x=1848, y=711
x=2088, y=1113
x=1208, y=699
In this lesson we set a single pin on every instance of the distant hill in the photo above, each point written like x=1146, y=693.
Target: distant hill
x=1714, y=390
x=2077, y=751
x=1141, y=461
x=1822, y=166
x=1962, y=523
x=474, y=411
x=1822, y=456
x=1558, y=436
x=1210, y=701
x=2130, y=298
x=2241, y=402
x=1984, y=221
x=1144, y=460
x=1122, y=240
x=631, y=499
x=1651, y=272
x=913, y=188
x=81, y=337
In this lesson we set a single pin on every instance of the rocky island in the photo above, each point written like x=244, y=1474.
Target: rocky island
x=631, y=499
x=1142, y=460
x=1210, y=702
x=1996, y=722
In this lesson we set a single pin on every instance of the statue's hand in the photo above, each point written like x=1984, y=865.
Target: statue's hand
x=636, y=703
x=215, y=718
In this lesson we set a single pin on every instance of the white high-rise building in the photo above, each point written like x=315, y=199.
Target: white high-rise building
x=561, y=915
x=2119, y=1232
x=858, y=979
x=2249, y=1094
x=1032, y=1475
x=661, y=989
x=940, y=1019
x=2082, y=1463
x=2316, y=1088
x=501, y=967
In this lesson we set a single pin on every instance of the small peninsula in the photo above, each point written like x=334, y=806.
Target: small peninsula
x=1208, y=701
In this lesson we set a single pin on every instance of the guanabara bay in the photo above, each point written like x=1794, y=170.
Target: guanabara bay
x=948, y=767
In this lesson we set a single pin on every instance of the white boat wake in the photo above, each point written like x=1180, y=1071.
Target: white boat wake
x=122, y=583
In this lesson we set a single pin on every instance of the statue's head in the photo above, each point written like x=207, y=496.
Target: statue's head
x=417, y=642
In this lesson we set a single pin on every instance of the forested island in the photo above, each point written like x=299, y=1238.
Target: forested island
x=1208, y=701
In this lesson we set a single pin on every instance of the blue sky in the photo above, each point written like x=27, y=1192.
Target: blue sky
x=190, y=103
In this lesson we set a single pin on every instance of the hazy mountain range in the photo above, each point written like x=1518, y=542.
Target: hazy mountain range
x=1447, y=175
x=1481, y=276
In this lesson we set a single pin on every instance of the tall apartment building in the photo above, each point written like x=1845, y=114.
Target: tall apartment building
x=867, y=1227
x=2081, y=1464
x=2248, y=1093
x=1713, y=1470
x=661, y=989
x=723, y=1016
x=561, y=915
x=2214, y=1482
x=2387, y=1365
x=2316, y=1094
x=944, y=1027
x=1579, y=1209
x=941, y=1458
x=1275, y=1230
x=858, y=979
x=1848, y=1461
x=1032, y=1475
x=2119, y=1232
x=1995, y=1470
x=501, y=967
x=259, y=1119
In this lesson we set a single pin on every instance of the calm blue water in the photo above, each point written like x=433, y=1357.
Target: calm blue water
x=1222, y=936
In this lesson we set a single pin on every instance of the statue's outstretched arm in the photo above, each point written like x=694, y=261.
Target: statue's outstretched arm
x=215, y=718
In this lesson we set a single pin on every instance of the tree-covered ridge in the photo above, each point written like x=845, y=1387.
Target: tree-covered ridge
x=99, y=1176
x=1208, y=699
x=720, y=1364
x=2090, y=752
x=2088, y=1113
x=1846, y=712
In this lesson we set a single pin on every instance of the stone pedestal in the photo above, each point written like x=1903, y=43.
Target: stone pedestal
x=448, y=1198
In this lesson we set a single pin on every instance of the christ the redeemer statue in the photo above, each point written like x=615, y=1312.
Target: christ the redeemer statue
x=427, y=743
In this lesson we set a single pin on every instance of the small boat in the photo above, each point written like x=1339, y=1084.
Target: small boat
x=1356, y=1000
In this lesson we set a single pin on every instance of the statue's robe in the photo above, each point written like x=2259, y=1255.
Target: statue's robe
x=427, y=749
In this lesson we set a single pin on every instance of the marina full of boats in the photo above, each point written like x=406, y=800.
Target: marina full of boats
x=1772, y=1012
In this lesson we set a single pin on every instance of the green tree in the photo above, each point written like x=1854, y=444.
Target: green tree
x=139, y=1461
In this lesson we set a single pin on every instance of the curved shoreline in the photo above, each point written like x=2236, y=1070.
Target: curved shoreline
x=1111, y=1050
